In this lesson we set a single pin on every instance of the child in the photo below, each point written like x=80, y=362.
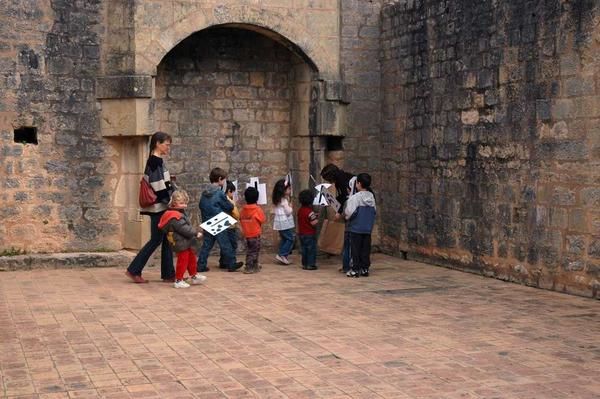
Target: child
x=283, y=220
x=212, y=202
x=307, y=221
x=182, y=238
x=251, y=219
x=232, y=231
x=360, y=213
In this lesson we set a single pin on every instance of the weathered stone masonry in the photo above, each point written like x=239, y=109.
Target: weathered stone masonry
x=491, y=138
x=96, y=78
x=479, y=120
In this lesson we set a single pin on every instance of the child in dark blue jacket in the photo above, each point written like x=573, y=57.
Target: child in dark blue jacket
x=360, y=213
x=212, y=202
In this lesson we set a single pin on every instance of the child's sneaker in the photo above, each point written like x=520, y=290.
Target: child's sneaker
x=364, y=272
x=352, y=273
x=282, y=259
x=197, y=279
x=180, y=284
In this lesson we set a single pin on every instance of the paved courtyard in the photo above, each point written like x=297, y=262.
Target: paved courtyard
x=408, y=331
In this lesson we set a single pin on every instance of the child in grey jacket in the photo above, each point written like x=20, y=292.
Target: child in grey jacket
x=360, y=213
x=182, y=238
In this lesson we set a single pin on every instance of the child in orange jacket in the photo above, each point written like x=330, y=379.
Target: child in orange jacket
x=251, y=219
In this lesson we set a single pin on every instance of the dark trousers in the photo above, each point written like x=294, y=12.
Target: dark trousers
x=309, y=250
x=360, y=249
x=346, y=256
x=227, y=258
x=252, y=252
x=157, y=237
x=232, y=235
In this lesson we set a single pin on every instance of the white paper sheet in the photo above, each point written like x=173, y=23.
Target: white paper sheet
x=218, y=224
x=320, y=197
x=331, y=200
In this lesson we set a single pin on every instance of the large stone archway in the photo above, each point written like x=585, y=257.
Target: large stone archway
x=155, y=42
x=129, y=100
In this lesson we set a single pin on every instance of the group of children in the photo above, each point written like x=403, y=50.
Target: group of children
x=218, y=197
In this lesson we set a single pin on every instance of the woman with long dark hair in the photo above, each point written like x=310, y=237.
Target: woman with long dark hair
x=159, y=178
x=340, y=184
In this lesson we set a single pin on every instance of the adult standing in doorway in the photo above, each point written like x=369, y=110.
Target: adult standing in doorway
x=159, y=178
x=339, y=179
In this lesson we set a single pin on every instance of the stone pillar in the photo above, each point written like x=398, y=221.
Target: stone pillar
x=327, y=121
x=319, y=111
x=126, y=122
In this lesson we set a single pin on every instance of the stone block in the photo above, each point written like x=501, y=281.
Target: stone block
x=594, y=249
x=562, y=109
x=590, y=196
x=329, y=119
x=569, y=64
x=470, y=117
x=563, y=196
x=121, y=87
x=575, y=244
x=336, y=91
x=579, y=86
x=578, y=220
x=126, y=117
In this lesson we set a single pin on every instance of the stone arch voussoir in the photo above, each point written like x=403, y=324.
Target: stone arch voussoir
x=152, y=52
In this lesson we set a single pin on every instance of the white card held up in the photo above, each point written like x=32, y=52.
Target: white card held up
x=320, y=197
x=289, y=182
x=262, y=194
x=261, y=188
x=236, y=196
x=218, y=224
x=254, y=182
x=331, y=200
x=352, y=186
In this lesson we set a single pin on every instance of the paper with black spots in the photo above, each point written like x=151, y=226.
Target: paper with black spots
x=218, y=224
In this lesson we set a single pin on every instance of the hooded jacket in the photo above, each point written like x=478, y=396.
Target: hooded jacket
x=360, y=212
x=214, y=201
x=251, y=219
x=180, y=233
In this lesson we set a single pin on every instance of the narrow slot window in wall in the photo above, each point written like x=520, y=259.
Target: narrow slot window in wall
x=334, y=143
x=26, y=135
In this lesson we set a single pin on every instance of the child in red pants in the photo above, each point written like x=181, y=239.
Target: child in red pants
x=182, y=238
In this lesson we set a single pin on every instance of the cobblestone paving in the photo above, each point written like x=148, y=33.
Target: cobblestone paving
x=408, y=331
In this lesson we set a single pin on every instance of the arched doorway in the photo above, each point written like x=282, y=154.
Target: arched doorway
x=234, y=95
x=237, y=97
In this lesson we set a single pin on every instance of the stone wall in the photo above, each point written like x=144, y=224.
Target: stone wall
x=491, y=138
x=82, y=73
x=55, y=195
x=227, y=97
x=360, y=69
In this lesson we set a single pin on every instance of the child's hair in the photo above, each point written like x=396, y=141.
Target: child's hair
x=251, y=195
x=279, y=191
x=230, y=187
x=306, y=197
x=365, y=180
x=180, y=196
x=217, y=174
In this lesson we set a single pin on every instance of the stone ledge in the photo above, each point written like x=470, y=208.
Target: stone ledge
x=65, y=260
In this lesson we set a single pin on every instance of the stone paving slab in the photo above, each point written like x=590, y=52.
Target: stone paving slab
x=408, y=331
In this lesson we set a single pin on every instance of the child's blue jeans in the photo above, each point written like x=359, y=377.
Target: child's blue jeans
x=309, y=250
x=227, y=252
x=286, y=244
